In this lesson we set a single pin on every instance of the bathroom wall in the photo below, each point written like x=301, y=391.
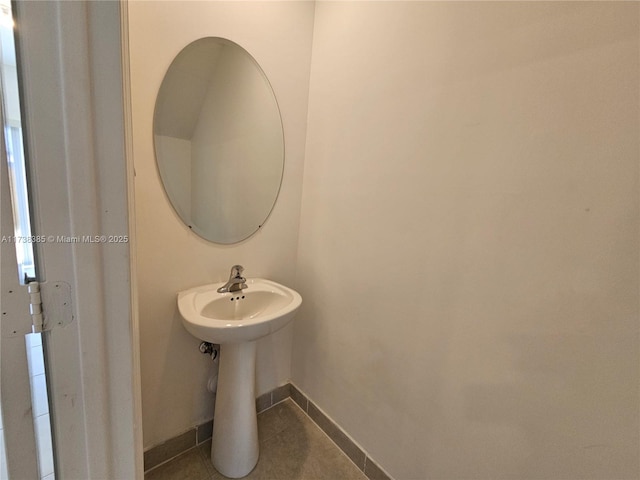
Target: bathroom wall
x=171, y=258
x=468, y=251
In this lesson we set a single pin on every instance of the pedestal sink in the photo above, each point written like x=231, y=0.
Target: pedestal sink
x=235, y=320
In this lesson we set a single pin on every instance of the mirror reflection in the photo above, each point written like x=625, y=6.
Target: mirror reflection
x=218, y=140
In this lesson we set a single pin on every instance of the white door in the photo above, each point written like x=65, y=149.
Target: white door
x=18, y=454
x=75, y=117
x=26, y=447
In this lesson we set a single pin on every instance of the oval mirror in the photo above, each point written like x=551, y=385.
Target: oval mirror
x=218, y=140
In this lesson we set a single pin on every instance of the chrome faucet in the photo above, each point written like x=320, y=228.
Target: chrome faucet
x=236, y=281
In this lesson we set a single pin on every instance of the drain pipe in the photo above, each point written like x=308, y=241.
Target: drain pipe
x=214, y=352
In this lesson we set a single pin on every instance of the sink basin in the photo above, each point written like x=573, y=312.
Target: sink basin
x=235, y=320
x=262, y=308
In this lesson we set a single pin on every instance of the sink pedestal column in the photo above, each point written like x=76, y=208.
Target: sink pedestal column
x=234, y=449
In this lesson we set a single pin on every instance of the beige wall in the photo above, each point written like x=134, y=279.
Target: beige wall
x=170, y=257
x=468, y=251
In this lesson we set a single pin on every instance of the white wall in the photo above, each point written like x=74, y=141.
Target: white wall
x=468, y=250
x=170, y=257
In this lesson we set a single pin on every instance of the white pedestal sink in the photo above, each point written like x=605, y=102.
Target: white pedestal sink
x=235, y=320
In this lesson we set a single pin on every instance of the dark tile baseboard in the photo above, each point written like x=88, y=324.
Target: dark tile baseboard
x=350, y=448
x=201, y=433
x=269, y=399
x=169, y=449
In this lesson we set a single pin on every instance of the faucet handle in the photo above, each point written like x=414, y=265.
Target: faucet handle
x=236, y=271
x=236, y=280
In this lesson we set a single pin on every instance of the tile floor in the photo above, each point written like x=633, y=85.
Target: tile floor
x=292, y=447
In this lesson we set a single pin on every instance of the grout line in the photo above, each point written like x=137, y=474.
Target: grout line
x=279, y=402
x=205, y=440
x=203, y=456
x=195, y=444
x=305, y=410
x=356, y=444
x=331, y=440
x=170, y=459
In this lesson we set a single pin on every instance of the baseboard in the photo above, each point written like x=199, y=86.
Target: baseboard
x=344, y=442
x=198, y=434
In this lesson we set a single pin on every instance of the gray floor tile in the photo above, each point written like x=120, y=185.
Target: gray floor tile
x=205, y=453
x=292, y=447
x=338, y=436
x=188, y=466
x=306, y=453
x=276, y=419
x=319, y=457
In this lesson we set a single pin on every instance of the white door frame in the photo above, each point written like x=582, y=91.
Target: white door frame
x=73, y=56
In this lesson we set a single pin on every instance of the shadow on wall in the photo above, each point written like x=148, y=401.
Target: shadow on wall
x=545, y=408
x=179, y=344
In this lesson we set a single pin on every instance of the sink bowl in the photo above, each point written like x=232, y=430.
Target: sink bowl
x=235, y=320
x=262, y=308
